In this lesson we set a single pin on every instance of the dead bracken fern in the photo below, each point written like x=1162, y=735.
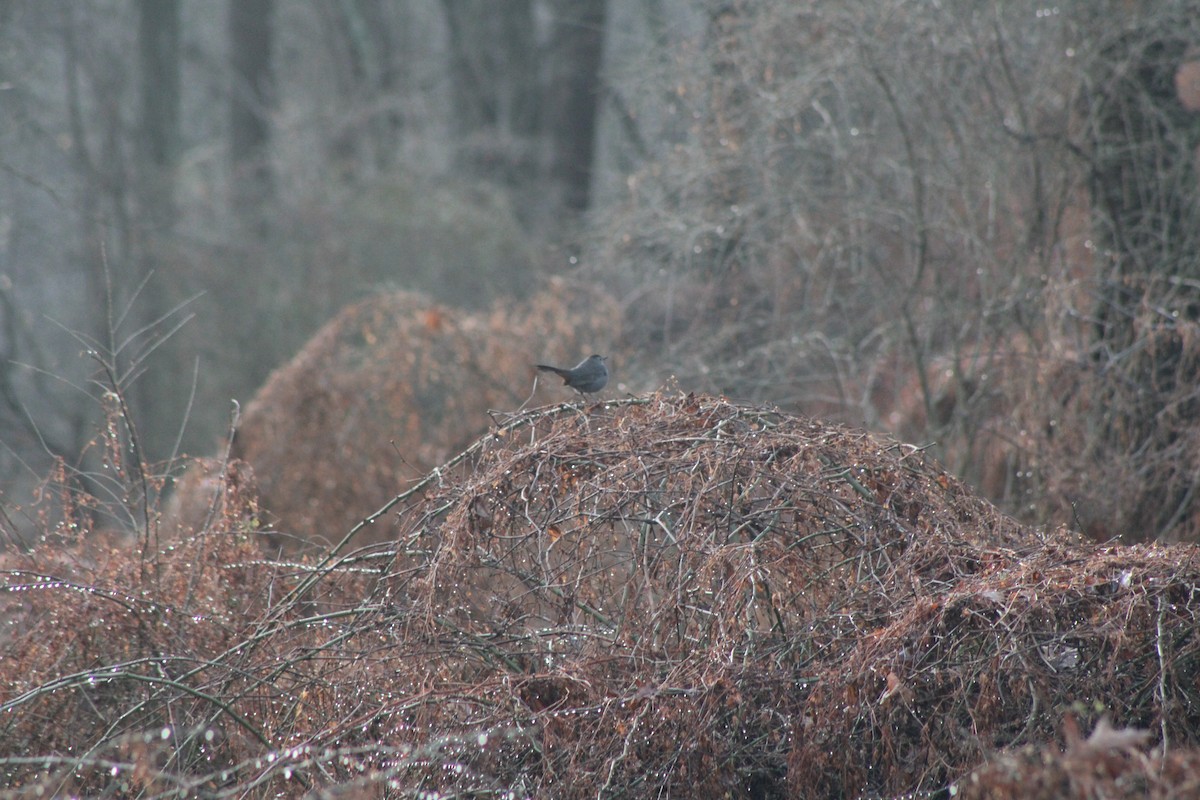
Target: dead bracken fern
x=663, y=596
x=393, y=386
x=1108, y=764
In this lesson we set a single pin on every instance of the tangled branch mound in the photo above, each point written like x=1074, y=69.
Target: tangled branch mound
x=664, y=596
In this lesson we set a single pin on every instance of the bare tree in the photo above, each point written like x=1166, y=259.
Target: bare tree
x=366, y=37
x=494, y=88
x=251, y=40
x=573, y=95
x=887, y=215
x=525, y=103
x=1144, y=186
x=160, y=53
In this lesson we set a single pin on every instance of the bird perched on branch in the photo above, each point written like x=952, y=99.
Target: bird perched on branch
x=589, y=375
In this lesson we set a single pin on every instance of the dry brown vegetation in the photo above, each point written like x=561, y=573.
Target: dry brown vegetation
x=392, y=387
x=1109, y=764
x=668, y=595
x=1065, y=435
x=976, y=226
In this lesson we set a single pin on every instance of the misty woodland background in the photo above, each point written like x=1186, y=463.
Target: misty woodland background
x=973, y=226
x=895, y=485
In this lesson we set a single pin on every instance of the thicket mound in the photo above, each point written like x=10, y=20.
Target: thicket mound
x=393, y=386
x=667, y=596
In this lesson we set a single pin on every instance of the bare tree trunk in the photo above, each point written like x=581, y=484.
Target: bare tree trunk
x=158, y=42
x=158, y=144
x=251, y=38
x=573, y=96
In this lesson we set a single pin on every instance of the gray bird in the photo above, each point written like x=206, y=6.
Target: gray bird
x=589, y=375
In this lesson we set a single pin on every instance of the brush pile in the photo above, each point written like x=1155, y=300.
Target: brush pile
x=664, y=596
